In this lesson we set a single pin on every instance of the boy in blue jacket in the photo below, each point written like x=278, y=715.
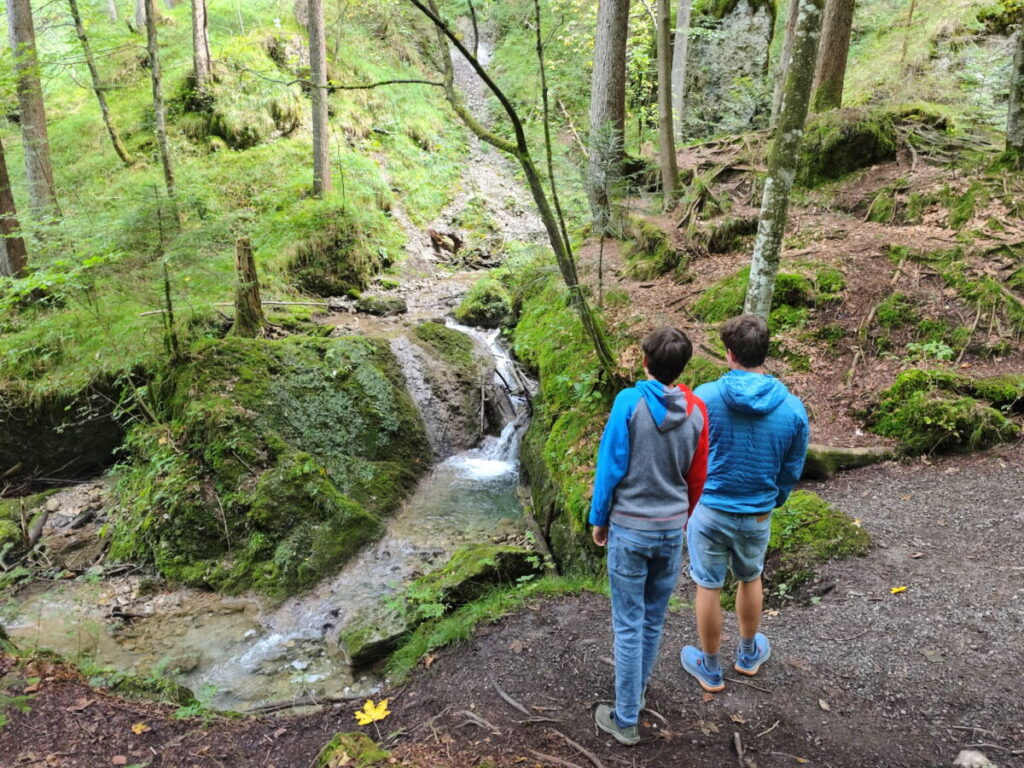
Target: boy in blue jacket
x=650, y=471
x=759, y=434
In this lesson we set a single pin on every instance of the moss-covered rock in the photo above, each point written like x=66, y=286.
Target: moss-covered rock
x=351, y=750
x=382, y=306
x=939, y=410
x=454, y=347
x=729, y=233
x=1000, y=17
x=338, y=259
x=275, y=462
x=487, y=305
x=724, y=299
x=648, y=251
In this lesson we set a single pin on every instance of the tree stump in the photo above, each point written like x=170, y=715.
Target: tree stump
x=249, y=320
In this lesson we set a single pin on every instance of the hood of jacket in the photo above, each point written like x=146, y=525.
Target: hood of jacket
x=755, y=393
x=666, y=404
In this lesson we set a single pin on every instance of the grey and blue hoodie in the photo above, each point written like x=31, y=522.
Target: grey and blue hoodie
x=652, y=461
x=759, y=434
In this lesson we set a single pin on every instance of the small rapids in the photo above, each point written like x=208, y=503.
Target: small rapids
x=243, y=653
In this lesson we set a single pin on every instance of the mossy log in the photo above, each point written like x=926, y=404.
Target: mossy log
x=823, y=462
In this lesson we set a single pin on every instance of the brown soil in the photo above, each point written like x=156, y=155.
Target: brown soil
x=864, y=678
x=829, y=229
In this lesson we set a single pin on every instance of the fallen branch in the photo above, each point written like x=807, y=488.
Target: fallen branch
x=509, y=700
x=552, y=759
x=308, y=701
x=749, y=685
x=474, y=719
x=737, y=744
x=768, y=730
x=582, y=750
x=977, y=319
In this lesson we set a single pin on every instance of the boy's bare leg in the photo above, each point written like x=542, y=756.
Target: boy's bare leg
x=708, y=607
x=749, y=601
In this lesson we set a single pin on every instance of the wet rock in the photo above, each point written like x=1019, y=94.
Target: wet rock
x=184, y=663
x=381, y=306
x=487, y=305
x=75, y=550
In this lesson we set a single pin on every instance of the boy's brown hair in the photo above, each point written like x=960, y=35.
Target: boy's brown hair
x=667, y=350
x=747, y=338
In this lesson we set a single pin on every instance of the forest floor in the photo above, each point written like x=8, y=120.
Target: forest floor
x=865, y=677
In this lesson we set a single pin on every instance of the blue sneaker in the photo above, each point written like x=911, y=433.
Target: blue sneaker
x=693, y=662
x=748, y=665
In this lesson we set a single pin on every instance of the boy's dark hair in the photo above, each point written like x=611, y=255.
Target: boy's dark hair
x=746, y=337
x=667, y=351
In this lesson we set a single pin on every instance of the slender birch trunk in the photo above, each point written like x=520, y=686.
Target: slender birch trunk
x=31, y=110
x=13, y=256
x=607, y=99
x=833, y=53
x=784, y=60
x=140, y=15
x=112, y=10
x=1015, y=116
x=783, y=159
x=158, y=96
x=201, y=61
x=97, y=85
x=318, y=78
x=666, y=138
x=679, y=55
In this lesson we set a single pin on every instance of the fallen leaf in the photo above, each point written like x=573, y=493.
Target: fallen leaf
x=80, y=705
x=516, y=646
x=119, y=760
x=905, y=497
x=709, y=697
x=934, y=656
x=139, y=728
x=801, y=759
x=30, y=688
x=429, y=659
x=897, y=590
x=772, y=612
x=707, y=728
x=857, y=522
x=280, y=732
x=801, y=664
x=665, y=733
x=738, y=719
x=824, y=705
x=917, y=556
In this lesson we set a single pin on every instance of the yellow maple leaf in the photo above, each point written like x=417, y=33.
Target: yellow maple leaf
x=897, y=590
x=139, y=728
x=371, y=713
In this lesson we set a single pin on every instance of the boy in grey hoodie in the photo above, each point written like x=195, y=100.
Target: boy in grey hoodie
x=651, y=468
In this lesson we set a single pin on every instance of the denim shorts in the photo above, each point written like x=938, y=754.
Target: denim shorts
x=717, y=540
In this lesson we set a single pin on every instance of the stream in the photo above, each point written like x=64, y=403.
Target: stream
x=242, y=653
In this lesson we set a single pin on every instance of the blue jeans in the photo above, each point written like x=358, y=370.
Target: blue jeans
x=643, y=567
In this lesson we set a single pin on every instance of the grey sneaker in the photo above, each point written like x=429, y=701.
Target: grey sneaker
x=605, y=720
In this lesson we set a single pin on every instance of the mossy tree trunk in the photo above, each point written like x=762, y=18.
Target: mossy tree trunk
x=607, y=100
x=783, y=159
x=158, y=96
x=201, y=62
x=249, y=319
x=681, y=50
x=97, y=85
x=667, y=144
x=13, y=256
x=1015, y=118
x=785, y=57
x=833, y=54
x=31, y=110
x=520, y=150
x=318, y=78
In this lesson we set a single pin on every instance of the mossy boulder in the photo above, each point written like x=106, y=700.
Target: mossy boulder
x=648, y=252
x=274, y=462
x=351, y=750
x=487, y=305
x=337, y=260
x=937, y=410
x=16, y=518
x=382, y=306
x=74, y=433
x=376, y=631
x=724, y=299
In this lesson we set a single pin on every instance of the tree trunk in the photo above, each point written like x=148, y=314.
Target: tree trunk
x=784, y=59
x=1015, y=118
x=301, y=10
x=97, y=86
x=249, y=320
x=318, y=78
x=782, y=160
x=32, y=111
x=112, y=10
x=833, y=54
x=158, y=96
x=906, y=31
x=666, y=138
x=140, y=15
x=607, y=101
x=13, y=256
x=679, y=56
x=201, y=65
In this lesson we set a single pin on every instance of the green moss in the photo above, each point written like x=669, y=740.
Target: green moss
x=454, y=347
x=472, y=570
x=883, y=207
x=962, y=208
x=487, y=304
x=648, y=252
x=382, y=306
x=274, y=463
x=785, y=317
x=1000, y=17
x=840, y=141
x=724, y=299
x=701, y=370
x=829, y=280
x=931, y=411
x=719, y=9
x=337, y=258
x=353, y=750
x=896, y=311
x=730, y=233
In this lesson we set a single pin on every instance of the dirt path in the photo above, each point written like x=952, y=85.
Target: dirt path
x=908, y=679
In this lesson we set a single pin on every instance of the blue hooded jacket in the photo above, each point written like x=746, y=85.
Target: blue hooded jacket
x=759, y=434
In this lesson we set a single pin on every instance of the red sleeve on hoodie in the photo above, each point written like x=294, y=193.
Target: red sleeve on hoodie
x=698, y=472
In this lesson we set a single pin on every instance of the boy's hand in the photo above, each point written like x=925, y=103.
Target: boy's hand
x=600, y=535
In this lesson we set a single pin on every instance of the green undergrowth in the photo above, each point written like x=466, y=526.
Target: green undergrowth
x=351, y=750
x=487, y=305
x=940, y=411
x=648, y=251
x=272, y=462
x=795, y=294
x=459, y=625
